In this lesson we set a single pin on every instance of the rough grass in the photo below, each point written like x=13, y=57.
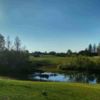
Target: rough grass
x=27, y=90
x=58, y=62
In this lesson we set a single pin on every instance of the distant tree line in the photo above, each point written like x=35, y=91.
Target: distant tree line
x=91, y=50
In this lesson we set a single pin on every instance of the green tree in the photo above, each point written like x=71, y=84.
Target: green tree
x=98, y=49
x=90, y=48
x=94, y=48
x=69, y=52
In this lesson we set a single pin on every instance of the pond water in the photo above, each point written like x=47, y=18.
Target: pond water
x=68, y=77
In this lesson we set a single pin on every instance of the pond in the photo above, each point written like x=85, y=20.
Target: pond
x=81, y=77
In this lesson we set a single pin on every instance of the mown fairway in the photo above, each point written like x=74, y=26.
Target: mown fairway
x=52, y=59
x=59, y=60
x=26, y=90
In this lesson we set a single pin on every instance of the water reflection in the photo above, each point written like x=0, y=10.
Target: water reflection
x=69, y=77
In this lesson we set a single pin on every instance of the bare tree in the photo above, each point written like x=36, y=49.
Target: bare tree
x=2, y=42
x=8, y=43
x=17, y=44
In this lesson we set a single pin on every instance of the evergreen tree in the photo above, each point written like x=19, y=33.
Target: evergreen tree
x=90, y=48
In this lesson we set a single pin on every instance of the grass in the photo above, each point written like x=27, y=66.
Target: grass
x=27, y=90
x=52, y=59
x=55, y=60
x=67, y=62
x=59, y=60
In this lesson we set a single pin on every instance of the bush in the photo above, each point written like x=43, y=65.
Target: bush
x=80, y=63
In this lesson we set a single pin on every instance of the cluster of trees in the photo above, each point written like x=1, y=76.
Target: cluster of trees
x=92, y=50
x=81, y=63
x=39, y=54
x=14, y=59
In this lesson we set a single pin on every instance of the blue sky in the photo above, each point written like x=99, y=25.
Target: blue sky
x=51, y=25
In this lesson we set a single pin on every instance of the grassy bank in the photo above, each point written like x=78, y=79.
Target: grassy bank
x=55, y=64
x=25, y=90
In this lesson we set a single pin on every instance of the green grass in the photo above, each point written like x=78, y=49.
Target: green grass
x=67, y=62
x=56, y=61
x=27, y=90
x=52, y=59
x=59, y=60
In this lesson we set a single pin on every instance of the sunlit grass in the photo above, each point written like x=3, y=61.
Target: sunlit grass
x=59, y=60
x=63, y=62
x=27, y=90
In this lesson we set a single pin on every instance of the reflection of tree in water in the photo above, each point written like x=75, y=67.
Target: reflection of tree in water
x=84, y=77
x=81, y=77
x=98, y=77
x=44, y=76
x=91, y=77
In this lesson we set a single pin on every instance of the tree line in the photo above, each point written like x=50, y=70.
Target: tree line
x=91, y=50
x=14, y=59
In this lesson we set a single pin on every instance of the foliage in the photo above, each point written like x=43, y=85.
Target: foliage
x=79, y=63
x=13, y=61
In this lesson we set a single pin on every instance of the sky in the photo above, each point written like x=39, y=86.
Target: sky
x=51, y=25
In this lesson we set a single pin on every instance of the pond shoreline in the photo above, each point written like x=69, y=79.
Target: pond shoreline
x=73, y=77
